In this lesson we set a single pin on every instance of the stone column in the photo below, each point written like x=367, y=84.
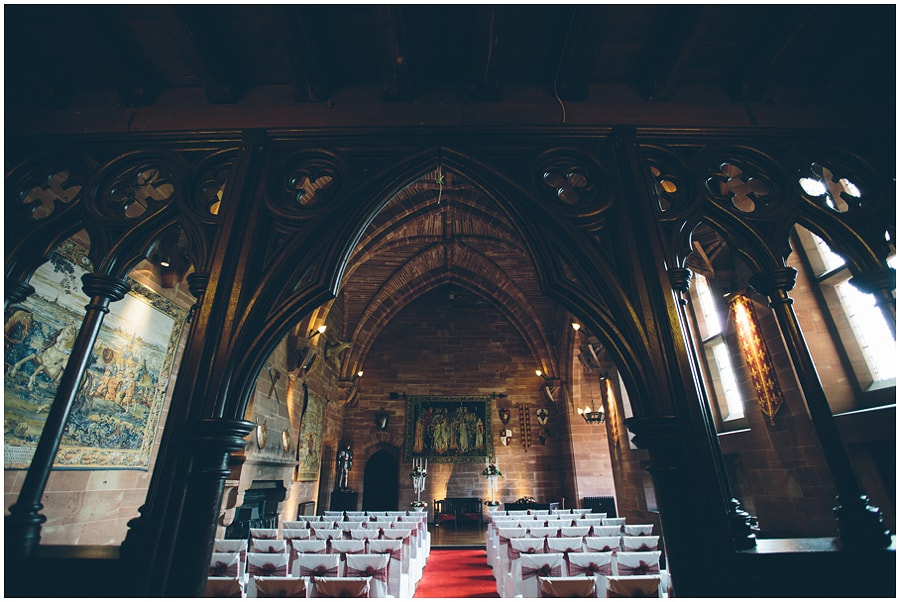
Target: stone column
x=860, y=525
x=23, y=525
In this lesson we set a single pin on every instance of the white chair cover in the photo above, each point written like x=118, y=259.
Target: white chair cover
x=371, y=565
x=567, y=587
x=596, y=515
x=300, y=523
x=280, y=587
x=367, y=534
x=533, y=566
x=223, y=587
x=310, y=546
x=589, y=563
x=225, y=564
x=602, y=544
x=565, y=544
x=232, y=545
x=398, y=583
x=640, y=544
x=588, y=522
x=606, y=531
x=318, y=565
x=615, y=521
x=517, y=512
x=267, y=565
x=269, y=546
x=637, y=563
x=643, y=586
x=543, y=531
x=290, y=534
x=637, y=530
x=584, y=531
x=518, y=546
x=348, y=546
x=340, y=587
x=327, y=534
x=263, y=533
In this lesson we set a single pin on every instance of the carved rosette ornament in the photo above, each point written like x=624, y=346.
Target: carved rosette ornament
x=576, y=185
x=304, y=183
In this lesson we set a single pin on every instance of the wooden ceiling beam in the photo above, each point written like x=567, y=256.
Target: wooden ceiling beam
x=579, y=52
x=682, y=36
x=137, y=86
x=483, y=81
x=764, y=49
x=291, y=32
x=194, y=28
x=394, y=42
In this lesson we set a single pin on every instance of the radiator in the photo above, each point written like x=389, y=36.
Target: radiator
x=600, y=503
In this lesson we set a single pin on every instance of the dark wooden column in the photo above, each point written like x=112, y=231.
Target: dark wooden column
x=15, y=292
x=743, y=525
x=860, y=524
x=23, y=525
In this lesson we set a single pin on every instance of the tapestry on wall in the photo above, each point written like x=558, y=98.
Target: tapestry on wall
x=309, y=441
x=448, y=428
x=116, y=413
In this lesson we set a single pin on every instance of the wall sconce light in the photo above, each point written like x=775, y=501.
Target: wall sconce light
x=381, y=420
x=358, y=375
x=314, y=333
x=164, y=262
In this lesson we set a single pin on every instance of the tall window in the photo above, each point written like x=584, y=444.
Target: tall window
x=724, y=388
x=863, y=331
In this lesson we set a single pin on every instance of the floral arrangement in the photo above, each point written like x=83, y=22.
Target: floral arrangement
x=526, y=500
x=418, y=471
x=491, y=470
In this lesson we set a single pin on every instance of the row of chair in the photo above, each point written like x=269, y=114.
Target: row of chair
x=292, y=587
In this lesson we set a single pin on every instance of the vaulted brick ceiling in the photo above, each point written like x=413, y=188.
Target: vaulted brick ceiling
x=429, y=235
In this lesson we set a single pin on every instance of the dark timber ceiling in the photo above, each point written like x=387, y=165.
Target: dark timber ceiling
x=771, y=54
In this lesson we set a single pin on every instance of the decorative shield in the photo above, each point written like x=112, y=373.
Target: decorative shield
x=261, y=435
x=543, y=414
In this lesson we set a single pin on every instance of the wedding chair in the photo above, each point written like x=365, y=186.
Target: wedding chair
x=606, y=531
x=232, y=545
x=517, y=512
x=518, y=546
x=280, y=587
x=637, y=530
x=501, y=559
x=309, y=546
x=403, y=536
x=567, y=587
x=267, y=565
x=226, y=564
x=600, y=515
x=334, y=513
x=596, y=565
x=559, y=523
x=543, y=531
x=641, y=586
x=300, y=523
x=340, y=587
x=620, y=522
x=290, y=534
x=419, y=548
x=640, y=544
x=370, y=565
x=637, y=563
x=398, y=577
x=589, y=522
x=263, y=533
x=533, y=566
x=347, y=526
x=223, y=587
x=584, y=531
x=565, y=544
x=602, y=544
x=269, y=546
x=328, y=535
x=317, y=565
x=346, y=547
x=366, y=534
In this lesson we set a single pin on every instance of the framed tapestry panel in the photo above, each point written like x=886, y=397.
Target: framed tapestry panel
x=309, y=439
x=116, y=413
x=448, y=428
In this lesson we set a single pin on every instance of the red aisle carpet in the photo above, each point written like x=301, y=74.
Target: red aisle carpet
x=457, y=574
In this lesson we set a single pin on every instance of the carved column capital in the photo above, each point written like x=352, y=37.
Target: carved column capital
x=102, y=285
x=774, y=283
x=17, y=291
x=876, y=281
x=680, y=279
x=197, y=283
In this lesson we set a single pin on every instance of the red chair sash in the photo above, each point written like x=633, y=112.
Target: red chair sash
x=642, y=548
x=319, y=571
x=542, y=571
x=223, y=569
x=590, y=570
x=641, y=569
x=370, y=571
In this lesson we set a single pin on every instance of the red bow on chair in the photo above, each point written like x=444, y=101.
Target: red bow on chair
x=369, y=571
x=319, y=571
x=641, y=569
x=220, y=569
x=266, y=570
x=543, y=571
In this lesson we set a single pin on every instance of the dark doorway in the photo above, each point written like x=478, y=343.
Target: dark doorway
x=381, y=489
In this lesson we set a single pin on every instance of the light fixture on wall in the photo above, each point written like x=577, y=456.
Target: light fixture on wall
x=551, y=385
x=314, y=333
x=590, y=416
x=381, y=420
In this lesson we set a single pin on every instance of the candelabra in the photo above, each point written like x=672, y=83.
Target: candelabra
x=418, y=474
